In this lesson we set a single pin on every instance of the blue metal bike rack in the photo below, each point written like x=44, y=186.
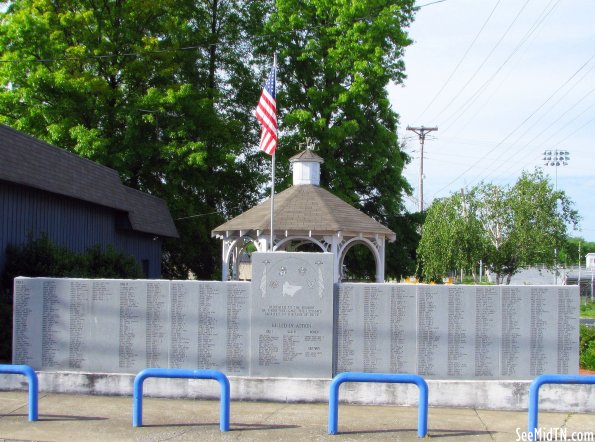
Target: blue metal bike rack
x=137, y=408
x=549, y=379
x=33, y=385
x=422, y=413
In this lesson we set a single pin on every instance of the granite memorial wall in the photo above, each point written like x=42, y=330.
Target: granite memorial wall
x=458, y=332
x=127, y=325
x=288, y=322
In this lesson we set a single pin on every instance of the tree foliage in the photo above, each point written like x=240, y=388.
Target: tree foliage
x=507, y=227
x=164, y=92
x=452, y=237
x=336, y=58
x=574, y=250
x=161, y=91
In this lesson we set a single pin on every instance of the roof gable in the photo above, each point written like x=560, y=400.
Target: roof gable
x=30, y=162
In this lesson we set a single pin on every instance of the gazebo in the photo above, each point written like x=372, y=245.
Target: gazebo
x=305, y=214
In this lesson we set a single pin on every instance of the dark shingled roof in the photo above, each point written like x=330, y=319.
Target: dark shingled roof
x=306, y=155
x=305, y=208
x=30, y=162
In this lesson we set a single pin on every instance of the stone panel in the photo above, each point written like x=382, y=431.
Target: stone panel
x=292, y=314
x=125, y=326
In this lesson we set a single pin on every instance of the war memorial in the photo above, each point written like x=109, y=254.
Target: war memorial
x=291, y=324
x=286, y=333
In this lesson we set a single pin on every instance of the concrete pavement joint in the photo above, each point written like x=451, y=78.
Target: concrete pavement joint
x=272, y=413
x=566, y=419
x=485, y=426
x=11, y=412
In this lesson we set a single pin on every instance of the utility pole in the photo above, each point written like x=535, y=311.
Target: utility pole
x=421, y=133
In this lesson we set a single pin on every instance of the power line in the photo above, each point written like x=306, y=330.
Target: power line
x=106, y=56
x=196, y=216
x=431, y=3
x=516, y=128
x=458, y=93
x=518, y=149
x=460, y=61
x=483, y=87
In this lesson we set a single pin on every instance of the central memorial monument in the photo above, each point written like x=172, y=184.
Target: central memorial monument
x=292, y=311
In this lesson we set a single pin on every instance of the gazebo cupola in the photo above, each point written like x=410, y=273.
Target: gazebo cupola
x=306, y=168
x=305, y=213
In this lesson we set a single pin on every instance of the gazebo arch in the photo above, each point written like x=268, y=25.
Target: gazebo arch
x=306, y=212
x=232, y=251
x=287, y=240
x=370, y=246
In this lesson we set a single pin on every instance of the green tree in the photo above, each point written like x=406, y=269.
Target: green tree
x=164, y=92
x=532, y=224
x=336, y=58
x=574, y=251
x=452, y=238
x=401, y=256
x=436, y=247
x=161, y=91
x=512, y=227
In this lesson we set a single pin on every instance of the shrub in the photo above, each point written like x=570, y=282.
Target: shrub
x=587, y=348
x=41, y=257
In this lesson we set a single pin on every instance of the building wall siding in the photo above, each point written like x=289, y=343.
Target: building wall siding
x=68, y=222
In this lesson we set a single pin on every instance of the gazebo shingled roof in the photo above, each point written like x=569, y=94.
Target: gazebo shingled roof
x=304, y=209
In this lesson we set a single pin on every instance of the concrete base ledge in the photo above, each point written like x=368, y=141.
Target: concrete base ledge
x=495, y=395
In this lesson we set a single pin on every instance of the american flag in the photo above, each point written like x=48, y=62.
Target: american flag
x=266, y=113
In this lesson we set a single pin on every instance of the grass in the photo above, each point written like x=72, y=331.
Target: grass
x=588, y=310
x=587, y=348
x=587, y=338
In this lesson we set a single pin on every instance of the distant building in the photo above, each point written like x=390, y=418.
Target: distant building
x=76, y=202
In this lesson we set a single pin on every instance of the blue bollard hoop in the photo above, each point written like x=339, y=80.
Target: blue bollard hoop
x=26, y=370
x=393, y=378
x=534, y=394
x=137, y=404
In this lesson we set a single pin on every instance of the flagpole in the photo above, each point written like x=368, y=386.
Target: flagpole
x=272, y=199
x=273, y=172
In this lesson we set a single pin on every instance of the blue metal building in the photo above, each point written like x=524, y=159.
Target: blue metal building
x=76, y=202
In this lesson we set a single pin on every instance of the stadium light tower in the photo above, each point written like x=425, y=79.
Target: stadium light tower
x=556, y=158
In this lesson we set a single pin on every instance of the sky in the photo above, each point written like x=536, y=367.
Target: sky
x=503, y=81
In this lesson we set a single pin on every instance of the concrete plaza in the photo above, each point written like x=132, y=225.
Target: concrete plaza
x=66, y=417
